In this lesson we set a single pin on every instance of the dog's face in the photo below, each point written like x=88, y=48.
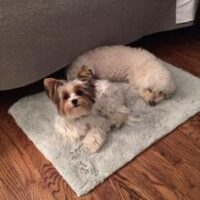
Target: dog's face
x=73, y=98
x=151, y=96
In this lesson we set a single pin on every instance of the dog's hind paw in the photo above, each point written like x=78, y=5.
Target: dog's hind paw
x=118, y=119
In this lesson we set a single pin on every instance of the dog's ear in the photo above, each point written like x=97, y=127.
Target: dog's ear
x=85, y=74
x=51, y=86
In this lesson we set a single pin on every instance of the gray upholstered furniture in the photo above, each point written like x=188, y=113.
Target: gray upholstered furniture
x=40, y=37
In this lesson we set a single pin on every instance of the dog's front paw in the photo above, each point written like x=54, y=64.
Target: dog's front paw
x=74, y=138
x=78, y=132
x=94, y=140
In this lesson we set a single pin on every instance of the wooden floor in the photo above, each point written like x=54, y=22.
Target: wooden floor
x=170, y=169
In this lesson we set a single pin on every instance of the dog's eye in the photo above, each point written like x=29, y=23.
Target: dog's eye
x=65, y=96
x=149, y=89
x=79, y=93
x=160, y=93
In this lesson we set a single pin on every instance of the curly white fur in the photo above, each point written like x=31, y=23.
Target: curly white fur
x=136, y=65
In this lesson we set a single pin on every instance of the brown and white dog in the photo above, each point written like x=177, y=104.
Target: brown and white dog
x=87, y=109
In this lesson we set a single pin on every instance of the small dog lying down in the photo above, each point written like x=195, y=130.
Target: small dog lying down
x=137, y=66
x=87, y=109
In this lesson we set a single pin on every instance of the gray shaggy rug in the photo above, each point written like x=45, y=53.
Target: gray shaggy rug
x=84, y=171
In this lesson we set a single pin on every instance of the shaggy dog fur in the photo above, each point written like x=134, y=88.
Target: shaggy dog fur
x=87, y=109
x=138, y=66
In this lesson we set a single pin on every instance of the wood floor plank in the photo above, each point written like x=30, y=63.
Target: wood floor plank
x=19, y=179
x=147, y=183
x=191, y=130
x=107, y=190
x=56, y=185
x=128, y=189
x=186, y=151
x=5, y=191
x=172, y=179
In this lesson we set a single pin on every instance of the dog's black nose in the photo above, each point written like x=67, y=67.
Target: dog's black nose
x=152, y=103
x=74, y=102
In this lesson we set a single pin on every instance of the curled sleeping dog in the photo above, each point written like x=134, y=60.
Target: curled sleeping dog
x=135, y=65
